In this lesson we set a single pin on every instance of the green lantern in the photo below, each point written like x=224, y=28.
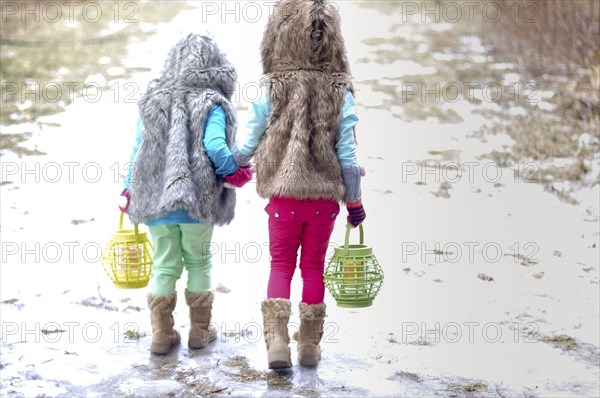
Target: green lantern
x=353, y=275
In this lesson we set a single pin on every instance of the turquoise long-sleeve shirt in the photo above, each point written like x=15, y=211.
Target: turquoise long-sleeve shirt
x=215, y=144
x=345, y=145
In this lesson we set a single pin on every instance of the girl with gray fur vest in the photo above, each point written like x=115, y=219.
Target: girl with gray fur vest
x=301, y=135
x=177, y=184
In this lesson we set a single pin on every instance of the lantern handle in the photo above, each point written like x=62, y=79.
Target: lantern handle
x=346, y=241
x=135, y=226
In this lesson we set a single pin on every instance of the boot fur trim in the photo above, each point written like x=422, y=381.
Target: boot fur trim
x=276, y=308
x=199, y=299
x=312, y=312
x=162, y=303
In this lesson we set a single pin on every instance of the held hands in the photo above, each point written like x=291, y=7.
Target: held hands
x=240, y=178
x=356, y=213
x=124, y=200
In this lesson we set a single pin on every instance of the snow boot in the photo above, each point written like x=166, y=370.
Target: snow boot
x=164, y=337
x=309, y=336
x=276, y=314
x=201, y=331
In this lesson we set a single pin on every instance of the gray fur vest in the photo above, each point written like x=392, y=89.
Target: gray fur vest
x=306, y=73
x=172, y=170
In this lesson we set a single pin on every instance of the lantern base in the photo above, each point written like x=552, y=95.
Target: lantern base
x=130, y=285
x=354, y=304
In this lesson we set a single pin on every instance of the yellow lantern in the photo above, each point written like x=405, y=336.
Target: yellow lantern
x=128, y=258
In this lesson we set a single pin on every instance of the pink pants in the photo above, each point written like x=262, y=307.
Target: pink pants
x=294, y=223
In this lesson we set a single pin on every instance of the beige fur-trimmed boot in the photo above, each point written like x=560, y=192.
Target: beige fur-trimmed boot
x=201, y=331
x=276, y=314
x=312, y=317
x=164, y=336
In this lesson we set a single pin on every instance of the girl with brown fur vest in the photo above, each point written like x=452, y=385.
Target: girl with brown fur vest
x=301, y=134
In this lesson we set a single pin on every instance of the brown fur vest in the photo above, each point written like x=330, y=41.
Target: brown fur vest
x=306, y=73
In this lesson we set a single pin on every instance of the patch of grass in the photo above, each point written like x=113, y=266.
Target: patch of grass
x=98, y=303
x=43, y=57
x=133, y=335
x=569, y=71
x=421, y=342
x=562, y=195
x=469, y=388
x=401, y=374
x=565, y=125
x=447, y=155
x=383, y=6
x=434, y=89
x=387, y=89
x=502, y=159
x=378, y=41
x=546, y=49
x=438, y=165
x=522, y=259
x=305, y=391
x=10, y=142
x=571, y=172
x=562, y=341
x=540, y=138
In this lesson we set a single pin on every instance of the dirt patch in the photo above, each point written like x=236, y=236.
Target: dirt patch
x=246, y=374
x=223, y=289
x=307, y=392
x=523, y=260
x=201, y=386
x=78, y=222
x=443, y=191
x=538, y=275
x=98, y=303
x=403, y=375
x=485, y=277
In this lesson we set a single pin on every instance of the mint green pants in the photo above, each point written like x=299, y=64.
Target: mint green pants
x=177, y=246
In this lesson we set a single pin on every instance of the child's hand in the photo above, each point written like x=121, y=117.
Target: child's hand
x=242, y=176
x=124, y=200
x=356, y=213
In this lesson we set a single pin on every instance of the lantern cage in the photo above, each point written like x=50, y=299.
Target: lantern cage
x=353, y=275
x=128, y=258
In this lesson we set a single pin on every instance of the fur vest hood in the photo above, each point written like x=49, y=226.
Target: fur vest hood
x=172, y=170
x=304, y=35
x=306, y=72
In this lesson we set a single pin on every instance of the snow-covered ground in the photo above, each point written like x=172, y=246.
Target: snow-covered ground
x=484, y=271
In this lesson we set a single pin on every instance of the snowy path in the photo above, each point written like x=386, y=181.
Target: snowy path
x=438, y=328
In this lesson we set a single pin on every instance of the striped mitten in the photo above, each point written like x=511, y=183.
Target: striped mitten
x=356, y=212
